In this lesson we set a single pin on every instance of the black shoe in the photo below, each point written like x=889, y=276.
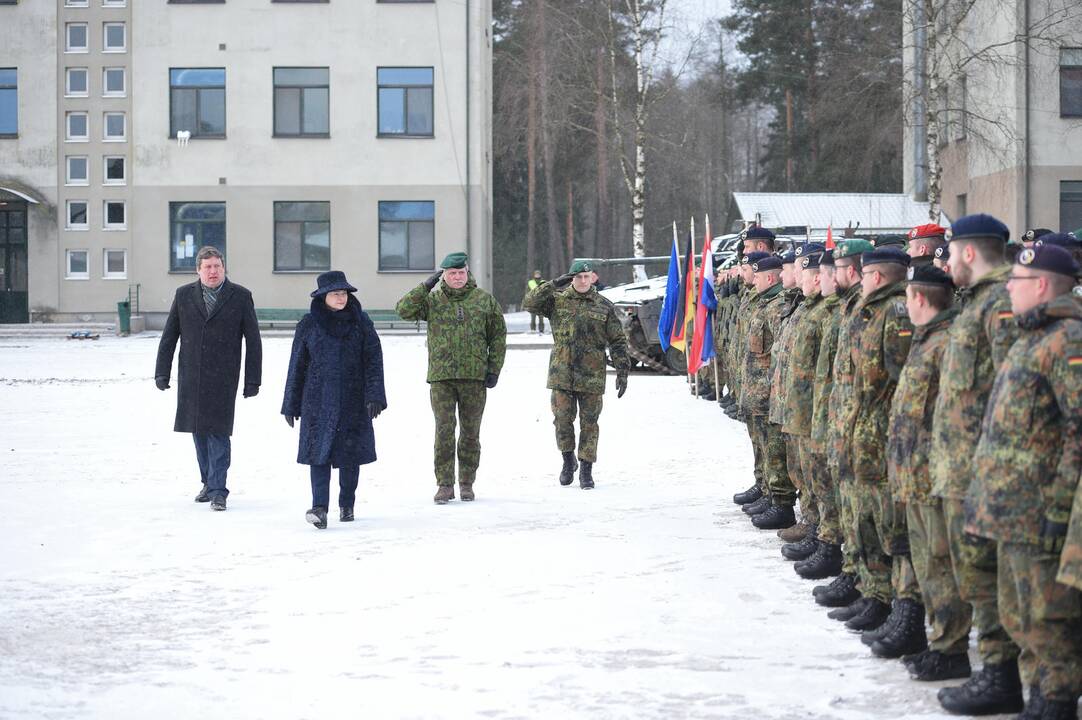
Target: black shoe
x=317, y=516
x=345, y=514
x=839, y=593
x=203, y=496
x=825, y=562
x=993, y=690
x=217, y=502
x=776, y=518
x=853, y=609
x=934, y=666
x=874, y=614
x=912, y=661
x=906, y=636
x=748, y=496
x=801, y=550
x=1059, y=710
x=567, y=472
x=1034, y=709
x=869, y=637
x=586, y=475
x=756, y=507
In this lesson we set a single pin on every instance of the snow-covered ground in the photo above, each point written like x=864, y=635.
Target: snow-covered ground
x=649, y=597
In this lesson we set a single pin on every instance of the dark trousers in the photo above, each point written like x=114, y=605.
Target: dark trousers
x=537, y=322
x=321, y=485
x=213, y=454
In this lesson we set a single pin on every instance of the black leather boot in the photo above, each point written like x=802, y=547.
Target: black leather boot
x=839, y=593
x=907, y=635
x=801, y=550
x=756, y=507
x=586, y=475
x=826, y=561
x=1034, y=709
x=844, y=614
x=870, y=636
x=874, y=614
x=934, y=666
x=567, y=472
x=1059, y=710
x=748, y=496
x=993, y=690
x=204, y=494
x=775, y=518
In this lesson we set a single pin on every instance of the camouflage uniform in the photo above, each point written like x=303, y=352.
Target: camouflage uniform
x=1070, y=562
x=1027, y=467
x=980, y=336
x=583, y=326
x=467, y=339
x=781, y=405
x=829, y=314
x=908, y=445
x=879, y=351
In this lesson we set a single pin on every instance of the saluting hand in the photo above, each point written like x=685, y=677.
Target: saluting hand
x=563, y=281
x=433, y=279
x=621, y=385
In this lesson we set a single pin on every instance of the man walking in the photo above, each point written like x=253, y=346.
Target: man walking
x=209, y=317
x=467, y=340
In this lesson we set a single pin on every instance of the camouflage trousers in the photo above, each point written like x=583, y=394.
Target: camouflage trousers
x=757, y=455
x=1044, y=617
x=873, y=526
x=794, y=465
x=772, y=451
x=813, y=464
x=950, y=616
x=845, y=492
x=975, y=570
x=587, y=406
x=467, y=397
x=1070, y=562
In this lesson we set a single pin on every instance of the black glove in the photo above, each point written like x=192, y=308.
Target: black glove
x=250, y=390
x=162, y=382
x=491, y=379
x=374, y=409
x=621, y=385
x=1052, y=535
x=433, y=279
x=290, y=419
x=563, y=281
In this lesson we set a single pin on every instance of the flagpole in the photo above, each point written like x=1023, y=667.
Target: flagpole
x=687, y=348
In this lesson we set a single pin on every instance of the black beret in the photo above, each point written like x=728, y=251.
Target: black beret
x=754, y=257
x=943, y=252
x=979, y=226
x=1050, y=258
x=811, y=262
x=770, y=262
x=1035, y=233
x=759, y=233
x=809, y=249
x=929, y=275
x=789, y=258
x=890, y=240
x=827, y=258
x=1068, y=240
x=885, y=255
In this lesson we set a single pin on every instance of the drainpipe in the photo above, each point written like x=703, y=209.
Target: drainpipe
x=469, y=161
x=1026, y=160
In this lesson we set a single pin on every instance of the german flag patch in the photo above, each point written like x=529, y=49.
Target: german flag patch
x=1074, y=361
x=905, y=333
x=1005, y=315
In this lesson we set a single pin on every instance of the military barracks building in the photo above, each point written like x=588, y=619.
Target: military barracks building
x=317, y=134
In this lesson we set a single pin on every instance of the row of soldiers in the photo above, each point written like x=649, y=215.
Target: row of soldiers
x=922, y=400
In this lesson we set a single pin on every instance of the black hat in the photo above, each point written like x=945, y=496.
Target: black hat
x=754, y=257
x=770, y=262
x=789, y=258
x=885, y=255
x=943, y=252
x=809, y=249
x=812, y=262
x=890, y=241
x=1050, y=258
x=330, y=281
x=759, y=233
x=979, y=226
x=1068, y=241
x=827, y=258
x=929, y=275
x=1035, y=234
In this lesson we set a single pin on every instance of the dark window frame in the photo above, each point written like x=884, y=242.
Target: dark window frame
x=405, y=101
x=195, y=2
x=304, y=235
x=1069, y=188
x=275, y=87
x=1076, y=67
x=198, y=100
x=174, y=207
x=15, y=87
x=379, y=235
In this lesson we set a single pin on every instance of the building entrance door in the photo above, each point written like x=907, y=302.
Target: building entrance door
x=14, y=298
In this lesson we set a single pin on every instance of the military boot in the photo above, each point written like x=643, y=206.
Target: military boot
x=826, y=561
x=797, y=532
x=465, y=491
x=1059, y=710
x=839, y=593
x=203, y=495
x=444, y=494
x=872, y=616
x=586, y=475
x=995, y=689
x=748, y=496
x=801, y=550
x=870, y=636
x=756, y=507
x=317, y=516
x=907, y=635
x=567, y=472
x=778, y=516
x=853, y=609
x=1034, y=709
x=345, y=514
x=934, y=666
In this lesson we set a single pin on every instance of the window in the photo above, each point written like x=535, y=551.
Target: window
x=191, y=226
x=76, y=84
x=302, y=236
x=301, y=102
x=407, y=232
x=961, y=120
x=1070, y=82
x=405, y=101
x=78, y=128
x=9, y=102
x=115, y=215
x=115, y=170
x=114, y=37
x=115, y=126
x=75, y=34
x=114, y=3
x=78, y=266
x=1070, y=205
x=76, y=3
x=943, y=116
x=197, y=101
x=960, y=204
x=77, y=218
x=78, y=173
x=113, y=82
x=114, y=264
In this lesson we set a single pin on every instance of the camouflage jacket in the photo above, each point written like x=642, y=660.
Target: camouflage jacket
x=738, y=334
x=831, y=309
x=780, y=353
x=1070, y=560
x=762, y=326
x=803, y=354
x=909, y=438
x=979, y=339
x=584, y=325
x=879, y=354
x=1029, y=458
x=467, y=337
x=842, y=394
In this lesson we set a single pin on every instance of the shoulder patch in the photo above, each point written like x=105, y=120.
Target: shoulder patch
x=905, y=332
x=1074, y=361
x=1004, y=315
x=899, y=309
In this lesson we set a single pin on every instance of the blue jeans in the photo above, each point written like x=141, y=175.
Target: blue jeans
x=213, y=454
x=321, y=485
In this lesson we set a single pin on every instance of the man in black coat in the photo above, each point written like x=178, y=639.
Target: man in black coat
x=209, y=317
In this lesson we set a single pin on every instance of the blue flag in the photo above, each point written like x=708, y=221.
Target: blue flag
x=667, y=318
x=710, y=302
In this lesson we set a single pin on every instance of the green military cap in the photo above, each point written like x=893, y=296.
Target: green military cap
x=580, y=266
x=455, y=260
x=847, y=248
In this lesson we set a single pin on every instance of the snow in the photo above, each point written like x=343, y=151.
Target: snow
x=649, y=597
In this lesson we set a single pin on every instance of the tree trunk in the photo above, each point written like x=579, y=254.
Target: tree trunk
x=602, y=246
x=638, y=193
x=932, y=120
x=531, y=155
x=557, y=266
x=570, y=221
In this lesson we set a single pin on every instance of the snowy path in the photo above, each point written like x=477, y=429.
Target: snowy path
x=650, y=597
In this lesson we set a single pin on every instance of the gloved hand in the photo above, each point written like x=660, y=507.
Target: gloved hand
x=433, y=279
x=250, y=390
x=290, y=419
x=161, y=382
x=563, y=281
x=1053, y=533
x=491, y=379
x=374, y=409
x=621, y=385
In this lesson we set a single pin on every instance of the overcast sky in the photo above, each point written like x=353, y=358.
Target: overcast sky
x=687, y=17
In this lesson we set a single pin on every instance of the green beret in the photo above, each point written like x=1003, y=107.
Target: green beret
x=581, y=266
x=455, y=260
x=847, y=248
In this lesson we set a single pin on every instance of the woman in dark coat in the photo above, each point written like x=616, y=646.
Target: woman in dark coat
x=335, y=388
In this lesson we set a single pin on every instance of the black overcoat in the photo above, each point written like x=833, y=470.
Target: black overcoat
x=208, y=371
x=335, y=369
